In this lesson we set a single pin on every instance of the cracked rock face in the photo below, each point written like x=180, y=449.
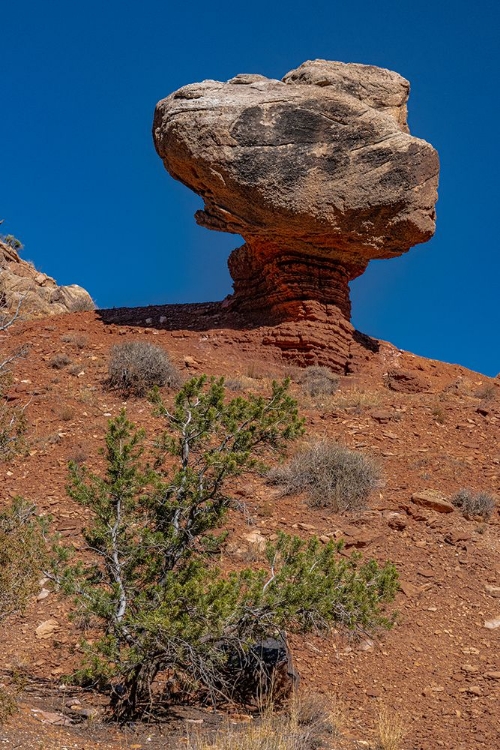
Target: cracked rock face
x=317, y=172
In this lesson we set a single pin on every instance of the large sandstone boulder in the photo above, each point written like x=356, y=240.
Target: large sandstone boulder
x=33, y=294
x=317, y=172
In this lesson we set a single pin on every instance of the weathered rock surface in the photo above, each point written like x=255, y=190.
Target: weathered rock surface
x=37, y=293
x=317, y=172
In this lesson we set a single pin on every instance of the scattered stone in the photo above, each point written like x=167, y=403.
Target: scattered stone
x=493, y=623
x=382, y=416
x=47, y=629
x=47, y=717
x=455, y=537
x=403, y=381
x=493, y=591
x=492, y=675
x=396, y=521
x=434, y=500
x=43, y=595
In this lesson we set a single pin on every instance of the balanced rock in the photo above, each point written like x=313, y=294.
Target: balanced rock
x=31, y=294
x=317, y=172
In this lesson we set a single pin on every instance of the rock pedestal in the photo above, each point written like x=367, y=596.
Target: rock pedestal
x=317, y=172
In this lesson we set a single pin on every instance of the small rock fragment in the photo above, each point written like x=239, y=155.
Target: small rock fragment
x=432, y=499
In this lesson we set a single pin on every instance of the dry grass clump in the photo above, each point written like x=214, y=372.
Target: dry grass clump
x=357, y=400
x=474, y=503
x=309, y=725
x=391, y=730
x=332, y=476
x=136, y=366
x=83, y=304
x=59, y=361
x=22, y=555
x=318, y=381
x=8, y=705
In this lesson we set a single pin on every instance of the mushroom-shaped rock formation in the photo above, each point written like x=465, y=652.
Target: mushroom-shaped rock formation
x=317, y=172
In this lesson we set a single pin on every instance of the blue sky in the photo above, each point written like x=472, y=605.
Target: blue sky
x=82, y=187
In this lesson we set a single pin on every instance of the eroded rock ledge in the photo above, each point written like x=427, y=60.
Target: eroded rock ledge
x=33, y=294
x=317, y=172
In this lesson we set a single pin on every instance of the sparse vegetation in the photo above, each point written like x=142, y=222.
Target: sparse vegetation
x=12, y=418
x=8, y=704
x=152, y=583
x=83, y=304
x=77, y=339
x=12, y=242
x=331, y=475
x=22, y=556
x=135, y=367
x=59, y=361
x=474, y=504
x=390, y=730
x=309, y=724
x=318, y=381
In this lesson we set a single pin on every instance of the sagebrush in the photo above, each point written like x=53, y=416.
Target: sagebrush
x=135, y=367
x=474, y=503
x=318, y=381
x=22, y=556
x=331, y=475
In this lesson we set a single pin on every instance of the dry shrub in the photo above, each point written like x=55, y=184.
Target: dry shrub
x=308, y=725
x=391, y=730
x=8, y=704
x=136, y=366
x=22, y=555
x=332, y=476
x=318, y=381
x=83, y=304
x=474, y=503
x=357, y=400
x=59, y=361
x=77, y=339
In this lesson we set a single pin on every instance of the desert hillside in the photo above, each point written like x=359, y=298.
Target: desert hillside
x=428, y=425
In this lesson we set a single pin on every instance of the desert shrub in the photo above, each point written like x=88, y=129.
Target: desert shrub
x=83, y=304
x=391, y=729
x=307, y=725
x=150, y=578
x=234, y=384
x=318, y=381
x=59, y=361
x=331, y=475
x=22, y=556
x=8, y=704
x=13, y=242
x=78, y=340
x=474, y=503
x=135, y=367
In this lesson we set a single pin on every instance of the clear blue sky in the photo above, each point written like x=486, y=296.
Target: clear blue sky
x=82, y=187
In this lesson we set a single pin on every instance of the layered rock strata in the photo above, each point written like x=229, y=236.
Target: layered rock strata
x=317, y=172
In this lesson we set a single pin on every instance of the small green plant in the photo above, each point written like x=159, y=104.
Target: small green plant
x=135, y=367
x=22, y=556
x=474, y=504
x=331, y=475
x=12, y=242
x=8, y=704
x=319, y=381
x=151, y=579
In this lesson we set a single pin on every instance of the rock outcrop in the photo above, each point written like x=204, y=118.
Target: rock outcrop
x=33, y=292
x=317, y=172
